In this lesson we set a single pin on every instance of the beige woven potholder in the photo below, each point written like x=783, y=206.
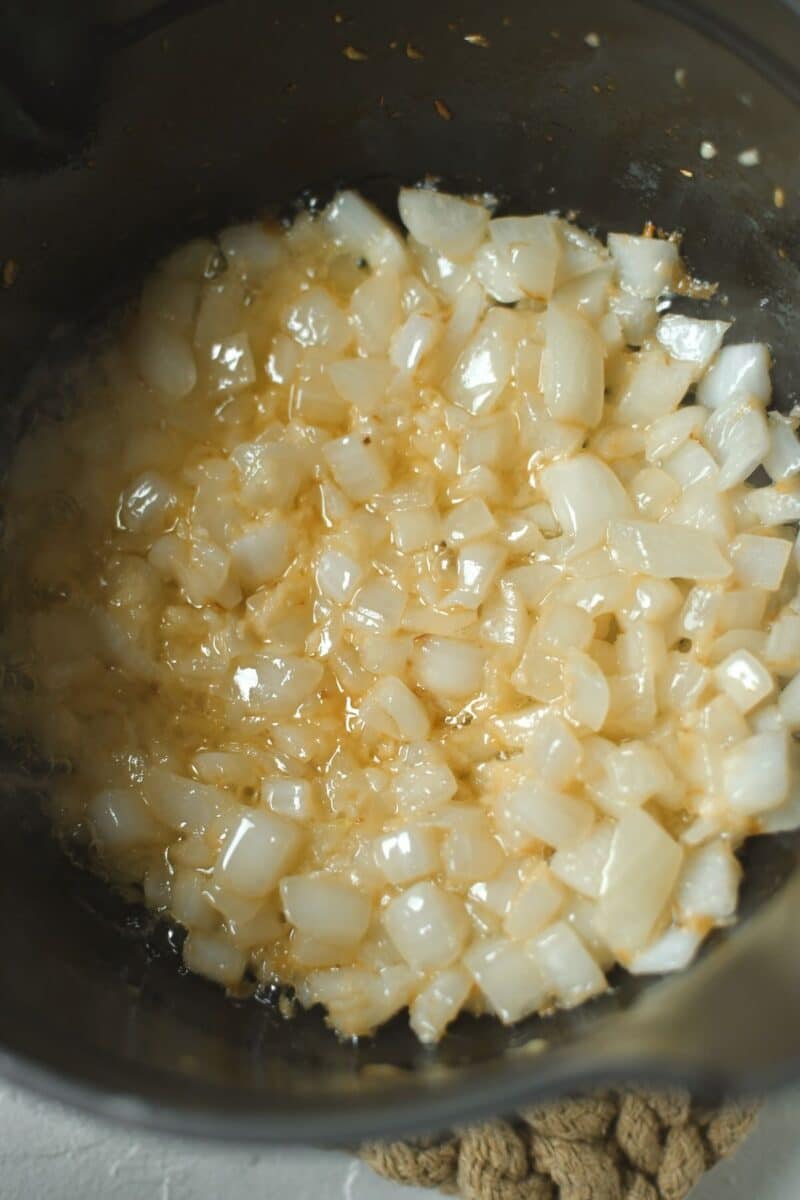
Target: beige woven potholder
x=615, y=1145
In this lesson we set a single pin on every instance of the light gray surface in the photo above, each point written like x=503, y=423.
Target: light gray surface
x=49, y=1153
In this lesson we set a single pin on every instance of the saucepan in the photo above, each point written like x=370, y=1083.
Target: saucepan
x=127, y=127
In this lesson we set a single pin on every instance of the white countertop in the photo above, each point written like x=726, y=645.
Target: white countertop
x=49, y=1153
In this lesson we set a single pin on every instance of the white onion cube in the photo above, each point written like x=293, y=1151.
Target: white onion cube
x=667, y=552
x=739, y=371
x=276, y=685
x=573, y=373
x=146, y=503
x=429, y=926
x=510, y=979
x=571, y=970
x=756, y=773
x=338, y=575
x=555, y=818
x=120, y=819
x=789, y=704
x=213, y=956
x=357, y=467
x=406, y=855
x=584, y=494
x=483, y=368
x=449, y=224
x=746, y=680
x=406, y=713
x=257, y=853
x=673, y=951
x=646, y=266
x=361, y=382
x=448, y=667
x=292, y=798
x=709, y=882
x=432, y=1009
x=535, y=905
x=360, y=228
x=581, y=866
x=759, y=561
x=470, y=852
x=326, y=908
x=317, y=320
x=586, y=693
x=691, y=340
x=637, y=883
x=232, y=366
x=261, y=553
x=653, y=386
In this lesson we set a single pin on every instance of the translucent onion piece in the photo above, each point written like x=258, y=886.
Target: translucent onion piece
x=556, y=818
x=572, y=368
x=257, y=854
x=428, y=926
x=756, y=773
x=510, y=979
x=742, y=677
x=484, y=366
x=673, y=951
x=406, y=855
x=709, y=882
x=165, y=360
x=328, y=909
x=535, y=905
x=361, y=229
x=568, y=966
x=251, y=250
x=638, y=879
x=691, y=340
x=439, y=1003
x=448, y=224
x=666, y=552
x=739, y=372
x=646, y=266
x=584, y=494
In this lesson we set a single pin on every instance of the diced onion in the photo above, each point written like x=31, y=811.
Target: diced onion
x=483, y=368
x=739, y=372
x=691, y=340
x=756, y=773
x=535, y=905
x=510, y=979
x=584, y=494
x=568, y=966
x=439, y=1003
x=328, y=909
x=666, y=552
x=406, y=611
x=257, y=853
x=407, y=854
x=641, y=871
x=165, y=360
x=572, y=368
x=452, y=226
x=646, y=266
x=556, y=818
x=428, y=926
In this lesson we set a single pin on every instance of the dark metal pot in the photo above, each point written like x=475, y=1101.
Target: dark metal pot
x=120, y=136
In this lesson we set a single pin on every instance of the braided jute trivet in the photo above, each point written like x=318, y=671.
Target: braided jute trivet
x=614, y=1145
